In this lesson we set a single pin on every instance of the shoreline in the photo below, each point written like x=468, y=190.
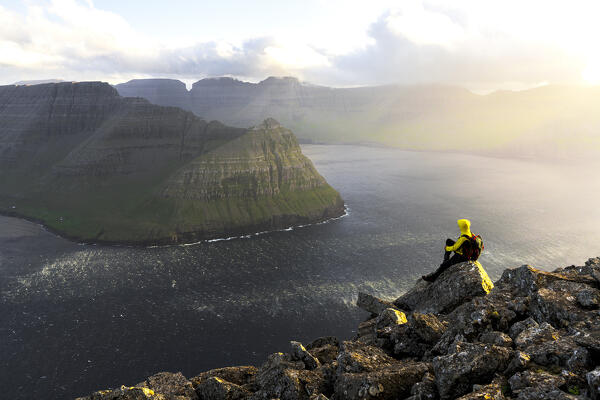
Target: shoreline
x=160, y=243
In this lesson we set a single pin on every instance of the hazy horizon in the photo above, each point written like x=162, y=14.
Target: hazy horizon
x=480, y=45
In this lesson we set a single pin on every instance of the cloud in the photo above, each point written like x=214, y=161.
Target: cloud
x=430, y=45
x=476, y=43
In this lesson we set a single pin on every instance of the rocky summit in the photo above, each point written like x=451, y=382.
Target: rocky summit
x=531, y=335
x=97, y=167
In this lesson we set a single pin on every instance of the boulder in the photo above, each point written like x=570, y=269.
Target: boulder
x=241, y=375
x=424, y=390
x=593, y=381
x=417, y=336
x=492, y=391
x=127, y=393
x=496, y=338
x=518, y=363
x=299, y=353
x=520, y=326
x=168, y=383
x=285, y=379
x=367, y=371
x=161, y=386
x=468, y=364
x=372, y=304
x=325, y=349
x=218, y=389
x=558, y=303
x=529, y=385
x=391, y=382
x=457, y=285
x=536, y=334
x=390, y=317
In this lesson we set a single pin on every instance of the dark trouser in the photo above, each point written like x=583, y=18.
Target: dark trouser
x=448, y=261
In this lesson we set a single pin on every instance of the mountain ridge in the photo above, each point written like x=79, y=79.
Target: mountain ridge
x=549, y=121
x=98, y=167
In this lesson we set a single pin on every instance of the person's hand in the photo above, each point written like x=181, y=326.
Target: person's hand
x=450, y=242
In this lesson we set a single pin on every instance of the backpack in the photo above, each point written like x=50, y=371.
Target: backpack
x=472, y=247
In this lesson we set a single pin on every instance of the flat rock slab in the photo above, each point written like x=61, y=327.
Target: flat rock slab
x=457, y=285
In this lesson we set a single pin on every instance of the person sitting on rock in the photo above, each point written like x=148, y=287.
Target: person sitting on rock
x=466, y=248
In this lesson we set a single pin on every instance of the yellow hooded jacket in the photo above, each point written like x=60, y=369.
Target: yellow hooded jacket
x=465, y=229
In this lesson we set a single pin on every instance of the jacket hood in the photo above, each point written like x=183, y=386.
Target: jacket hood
x=465, y=226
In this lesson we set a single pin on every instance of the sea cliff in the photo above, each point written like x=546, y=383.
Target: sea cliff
x=530, y=335
x=97, y=167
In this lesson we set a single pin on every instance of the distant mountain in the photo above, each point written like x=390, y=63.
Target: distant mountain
x=98, y=167
x=549, y=121
x=38, y=82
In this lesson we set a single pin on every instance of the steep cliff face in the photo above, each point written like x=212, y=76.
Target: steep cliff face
x=551, y=120
x=99, y=167
x=164, y=92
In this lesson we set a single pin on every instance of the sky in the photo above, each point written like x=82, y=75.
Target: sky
x=478, y=44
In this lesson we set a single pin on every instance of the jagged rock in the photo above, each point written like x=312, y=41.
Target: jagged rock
x=553, y=352
x=390, y=317
x=541, y=385
x=455, y=286
x=218, y=389
x=536, y=334
x=416, y=336
x=162, y=386
x=128, y=393
x=359, y=357
x=325, y=349
x=282, y=378
x=520, y=326
x=593, y=381
x=589, y=298
x=364, y=369
x=367, y=332
x=373, y=304
x=242, y=375
x=468, y=364
x=518, y=363
x=392, y=382
x=497, y=338
x=526, y=280
x=424, y=390
x=167, y=383
x=299, y=353
x=557, y=303
x=492, y=391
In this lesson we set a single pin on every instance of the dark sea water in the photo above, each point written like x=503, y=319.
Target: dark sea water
x=75, y=318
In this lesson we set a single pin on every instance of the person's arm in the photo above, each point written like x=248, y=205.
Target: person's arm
x=456, y=245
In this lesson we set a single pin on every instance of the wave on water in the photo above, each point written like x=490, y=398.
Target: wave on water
x=248, y=236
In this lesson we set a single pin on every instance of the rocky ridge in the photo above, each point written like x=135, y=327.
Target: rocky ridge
x=97, y=167
x=531, y=335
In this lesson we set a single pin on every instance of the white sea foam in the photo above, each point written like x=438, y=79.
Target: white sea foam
x=290, y=228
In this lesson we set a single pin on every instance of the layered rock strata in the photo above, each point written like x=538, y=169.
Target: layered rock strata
x=98, y=167
x=531, y=335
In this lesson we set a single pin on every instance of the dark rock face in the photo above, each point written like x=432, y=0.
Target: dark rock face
x=486, y=345
x=98, y=167
x=458, y=284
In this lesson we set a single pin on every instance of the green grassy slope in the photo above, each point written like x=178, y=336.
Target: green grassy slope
x=148, y=174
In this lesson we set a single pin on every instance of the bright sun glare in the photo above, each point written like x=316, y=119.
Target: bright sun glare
x=591, y=73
